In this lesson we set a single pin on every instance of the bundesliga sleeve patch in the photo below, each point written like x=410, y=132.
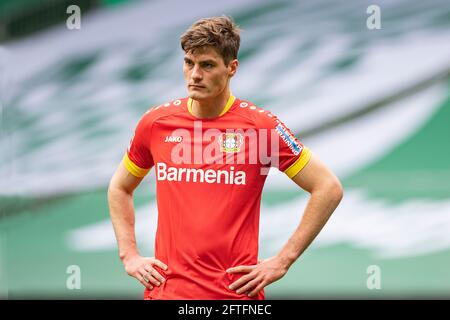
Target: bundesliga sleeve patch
x=289, y=139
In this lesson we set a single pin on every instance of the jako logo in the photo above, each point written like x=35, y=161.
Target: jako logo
x=199, y=175
x=173, y=139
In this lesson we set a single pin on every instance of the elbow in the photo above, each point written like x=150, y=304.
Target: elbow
x=110, y=186
x=335, y=190
x=110, y=192
x=331, y=189
x=113, y=189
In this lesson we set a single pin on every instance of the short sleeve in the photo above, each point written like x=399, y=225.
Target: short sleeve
x=138, y=159
x=289, y=153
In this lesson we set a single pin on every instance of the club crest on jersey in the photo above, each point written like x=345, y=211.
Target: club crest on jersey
x=230, y=142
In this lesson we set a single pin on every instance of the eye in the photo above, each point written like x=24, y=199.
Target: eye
x=208, y=65
x=188, y=63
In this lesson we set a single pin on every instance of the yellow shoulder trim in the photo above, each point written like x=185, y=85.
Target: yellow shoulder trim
x=228, y=105
x=189, y=105
x=299, y=164
x=134, y=169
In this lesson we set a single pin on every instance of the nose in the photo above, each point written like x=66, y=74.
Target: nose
x=196, y=74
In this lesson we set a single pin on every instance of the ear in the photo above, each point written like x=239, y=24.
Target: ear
x=232, y=67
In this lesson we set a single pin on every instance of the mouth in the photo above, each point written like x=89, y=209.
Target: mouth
x=194, y=86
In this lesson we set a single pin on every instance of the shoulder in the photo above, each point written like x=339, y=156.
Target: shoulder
x=260, y=116
x=163, y=110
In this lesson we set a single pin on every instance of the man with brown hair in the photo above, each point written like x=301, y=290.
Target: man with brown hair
x=212, y=152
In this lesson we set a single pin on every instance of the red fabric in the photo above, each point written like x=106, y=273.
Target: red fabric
x=205, y=226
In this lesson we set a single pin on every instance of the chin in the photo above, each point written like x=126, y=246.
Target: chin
x=193, y=95
x=197, y=95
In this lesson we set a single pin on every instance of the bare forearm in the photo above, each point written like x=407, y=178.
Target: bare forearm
x=321, y=205
x=122, y=216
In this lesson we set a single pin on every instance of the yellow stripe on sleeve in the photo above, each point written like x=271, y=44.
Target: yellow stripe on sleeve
x=134, y=169
x=228, y=105
x=299, y=164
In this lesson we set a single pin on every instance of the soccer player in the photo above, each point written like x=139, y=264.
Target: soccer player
x=211, y=152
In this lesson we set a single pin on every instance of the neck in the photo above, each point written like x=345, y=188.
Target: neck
x=210, y=108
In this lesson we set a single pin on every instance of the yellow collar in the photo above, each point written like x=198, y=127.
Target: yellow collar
x=227, y=106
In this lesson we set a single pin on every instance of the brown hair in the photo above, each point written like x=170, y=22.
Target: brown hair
x=219, y=32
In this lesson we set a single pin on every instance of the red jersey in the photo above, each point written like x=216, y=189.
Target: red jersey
x=209, y=179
